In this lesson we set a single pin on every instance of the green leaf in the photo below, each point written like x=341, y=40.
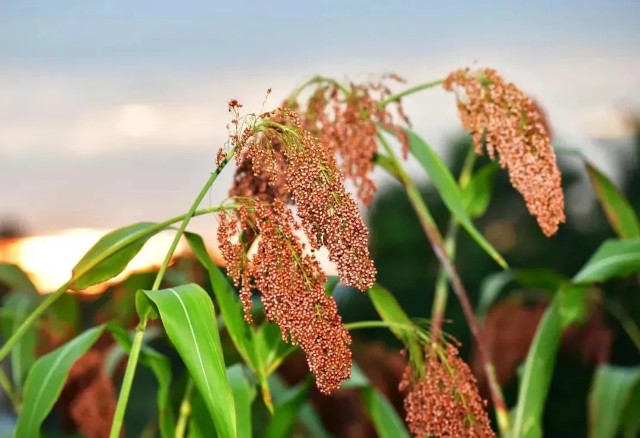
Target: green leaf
x=358, y=379
x=449, y=190
x=494, y=284
x=228, y=301
x=384, y=417
x=490, y=289
x=616, y=206
x=160, y=366
x=241, y=333
x=630, y=417
x=15, y=279
x=476, y=195
x=23, y=354
x=610, y=394
x=536, y=377
x=46, y=379
x=614, y=258
x=387, y=307
x=273, y=350
x=287, y=410
x=188, y=317
x=200, y=424
x=243, y=395
x=111, y=254
x=571, y=304
x=65, y=312
x=391, y=312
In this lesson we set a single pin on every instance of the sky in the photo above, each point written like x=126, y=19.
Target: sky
x=111, y=112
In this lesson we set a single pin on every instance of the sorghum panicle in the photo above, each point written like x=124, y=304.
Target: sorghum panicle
x=291, y=284
x=442, y=400
x=329, y=215
x=348, y=125
x=511, y=125
x=281, y=163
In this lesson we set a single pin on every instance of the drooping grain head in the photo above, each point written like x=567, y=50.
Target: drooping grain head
x=511, y=125
x=281, y=166
x=442, y=399
x=346, y=121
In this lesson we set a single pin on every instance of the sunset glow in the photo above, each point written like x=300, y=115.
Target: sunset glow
x=49, y=259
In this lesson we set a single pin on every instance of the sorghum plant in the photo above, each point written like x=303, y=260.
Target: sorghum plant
x=289, y=201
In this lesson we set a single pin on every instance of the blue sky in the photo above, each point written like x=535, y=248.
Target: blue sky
x=111, y=111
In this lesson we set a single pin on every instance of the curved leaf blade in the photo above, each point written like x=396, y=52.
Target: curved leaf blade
x=228, y=301
x=476, y=195
x=111, y=254
x=15, y=278
x=614, y=258
x=610, y=393
x=536, y=377
x=449, y=191
x=188, y=317
x=619, y=212
x=384, y=417
x=46, y=379
x=243, y=395
x=287, y=411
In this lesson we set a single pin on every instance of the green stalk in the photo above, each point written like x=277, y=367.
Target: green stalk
x=316, y=80
x=435, y=238
x=412, y=90
x=442, y=291
x=132, y=363
x=31, y=319
x=377, y=324
x=185, y=410
x=53, y=297
x=6, y=386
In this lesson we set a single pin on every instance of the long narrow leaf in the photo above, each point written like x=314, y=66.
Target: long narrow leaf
x=614, y=258
x=46, y=379
x=111, y=254
x=476, y=195
x=384, y=417
x=23, y=353
x=228, y=301
x=243, y=395
x=449, y=191
x=610, y=393
x=188, y=317
x=619, y=212
x=15, y=279
x=287, y=411
x=536, y=378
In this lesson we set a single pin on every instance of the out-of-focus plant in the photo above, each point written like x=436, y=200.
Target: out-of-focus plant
x=288, y=202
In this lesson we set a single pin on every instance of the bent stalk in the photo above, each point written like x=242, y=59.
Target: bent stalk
x=435, y=238
x=132, y=363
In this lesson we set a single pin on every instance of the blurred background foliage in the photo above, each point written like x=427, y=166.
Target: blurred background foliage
x=407, y=267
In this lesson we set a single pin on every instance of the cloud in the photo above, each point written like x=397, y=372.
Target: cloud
x=102, y=148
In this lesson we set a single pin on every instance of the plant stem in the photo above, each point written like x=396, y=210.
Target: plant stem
x=6, y=386
x=442, y=291
x=132, y=363
x=31, y=319
x=53, y=297
x=315, y=80
x=435, y=238
x=412, y=90
x=377, y=324
x=185, y=410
